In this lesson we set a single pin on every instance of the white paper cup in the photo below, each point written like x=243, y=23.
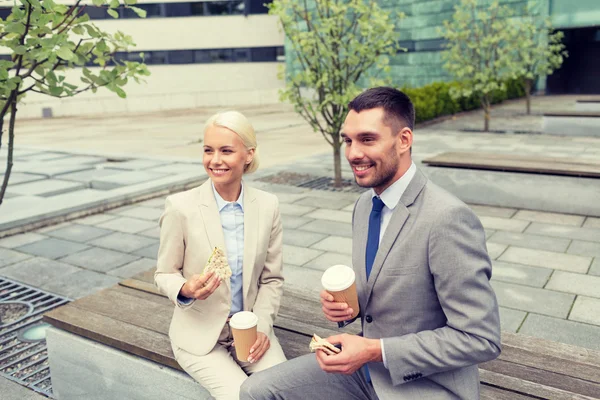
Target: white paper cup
x=243, y=327
x=340, y=282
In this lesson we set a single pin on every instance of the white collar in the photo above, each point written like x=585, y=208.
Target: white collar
x=391, y=196
x=221, y=203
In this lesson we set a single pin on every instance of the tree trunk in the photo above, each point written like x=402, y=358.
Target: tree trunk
x=528, y=84
x=337, y=165
x=486, y=113
x=11, y=139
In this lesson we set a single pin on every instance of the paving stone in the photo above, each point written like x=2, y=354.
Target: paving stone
x=521, y=274
x=530, y=241
x=153, y=232
x=17, y=178
x=550, y=218
x=52, y=248
x=54, y=169
x=136, y=164
x=289, y=197
x=511, y=320
x=591, y=249
x=329, y=228
x=569, y=232
x=575, y=283
x=337, y=244
x=586, y=309
x=46, y=156
x=535, y=300
x=503, y=224
x=123, y=242
x=124, y=178
x=149, y=251
x=89, y=175
x=595, y=268
x=291, y=222
x=127, y=225
x=488, y=233
x=331, y=215
x=318, y=202
x=300, y=238
x=79, y=233
x=546, y=259
x=490, y=211
x=37, y=271
x=177, y=168
x=158, y=202
x=590, y=222
x=97, y=259
x=495, y=249
x=95, y=219
x=561, y=330
x=147, y=213
x=296, y=255
x=328, y=259
x=20, y=240
x=13, y=391
x=303, y=278
x=349, y=208
x=293, y=209
x=80, y=284
x=45, y=188
x=8, y=257
x=134, y=268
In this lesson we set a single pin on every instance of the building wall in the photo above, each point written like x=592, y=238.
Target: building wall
x=181, y=76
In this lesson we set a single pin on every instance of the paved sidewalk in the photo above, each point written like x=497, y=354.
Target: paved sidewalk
x=546, y=266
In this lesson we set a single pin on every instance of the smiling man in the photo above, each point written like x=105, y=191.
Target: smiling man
x=427, y=310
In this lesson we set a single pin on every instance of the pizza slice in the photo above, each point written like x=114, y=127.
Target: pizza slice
x=318, y=343
x=217, y=262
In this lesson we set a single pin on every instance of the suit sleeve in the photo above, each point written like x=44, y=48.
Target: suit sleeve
x=270, y=284
x=461, y=270
x=169, y=265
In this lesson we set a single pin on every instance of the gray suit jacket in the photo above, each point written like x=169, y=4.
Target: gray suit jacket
x=428, y=296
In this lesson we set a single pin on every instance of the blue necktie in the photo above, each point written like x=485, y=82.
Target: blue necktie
x=374, y=231
x=372, y=246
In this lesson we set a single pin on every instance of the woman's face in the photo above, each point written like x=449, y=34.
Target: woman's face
x=225, y=155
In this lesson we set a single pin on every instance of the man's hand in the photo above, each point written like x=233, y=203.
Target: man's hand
x=356, y=352
x=259, y=348
x=335, y=312
x=200, y=287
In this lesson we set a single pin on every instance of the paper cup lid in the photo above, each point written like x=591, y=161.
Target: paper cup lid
x=243, y=320
x=337, y=278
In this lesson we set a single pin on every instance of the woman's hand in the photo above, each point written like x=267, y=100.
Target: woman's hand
x=259, y=348
x=200, y=287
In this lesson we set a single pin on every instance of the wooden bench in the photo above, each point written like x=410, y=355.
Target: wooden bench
x=572, y=123
x=114, y=344
x=516, y=163
x=588, y=105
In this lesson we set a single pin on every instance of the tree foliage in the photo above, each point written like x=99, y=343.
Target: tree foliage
x=337, y=45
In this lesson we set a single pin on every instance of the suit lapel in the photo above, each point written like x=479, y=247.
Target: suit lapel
x=251, y=218
x=399, y=217
x=211, y=218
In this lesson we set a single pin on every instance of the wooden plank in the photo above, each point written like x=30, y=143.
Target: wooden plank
x=524, y=386
x=293, y=344
x=132, y=339
x=516, y=163
x=494, y=393
x=141, y=285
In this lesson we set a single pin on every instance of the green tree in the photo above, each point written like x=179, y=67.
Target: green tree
x=540, y=50
x=337, y=44
x=478, y=50
x=46, y=42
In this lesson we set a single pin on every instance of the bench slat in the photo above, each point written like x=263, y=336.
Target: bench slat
x=494, y=393
x=516, y=163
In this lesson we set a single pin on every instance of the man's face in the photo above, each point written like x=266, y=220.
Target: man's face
x=372, y=149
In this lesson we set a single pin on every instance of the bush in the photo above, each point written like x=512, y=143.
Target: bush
x=434, y=100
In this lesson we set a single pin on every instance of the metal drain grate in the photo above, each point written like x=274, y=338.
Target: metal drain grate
x=22, y=359
x=312, y=182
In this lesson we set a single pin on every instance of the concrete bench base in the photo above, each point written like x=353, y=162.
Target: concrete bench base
x=571, y=125
x=84, y=369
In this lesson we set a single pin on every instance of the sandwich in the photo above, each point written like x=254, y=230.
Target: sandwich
x=217, y=262
x=318, y=343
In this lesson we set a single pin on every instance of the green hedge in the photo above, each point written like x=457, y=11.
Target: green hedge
x=434, y=100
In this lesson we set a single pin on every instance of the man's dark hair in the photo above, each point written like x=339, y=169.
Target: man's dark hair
x=399, y=110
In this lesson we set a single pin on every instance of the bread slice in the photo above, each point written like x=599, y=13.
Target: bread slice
x=318, y=343
x=217, y=262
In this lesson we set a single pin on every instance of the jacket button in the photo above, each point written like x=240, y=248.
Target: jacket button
x=369, y=319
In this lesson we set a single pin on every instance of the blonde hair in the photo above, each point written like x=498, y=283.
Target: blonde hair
x=236, y=122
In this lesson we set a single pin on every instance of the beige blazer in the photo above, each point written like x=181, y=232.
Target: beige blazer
x=190, y=229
